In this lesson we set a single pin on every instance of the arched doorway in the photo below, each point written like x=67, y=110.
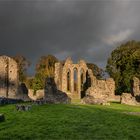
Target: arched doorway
x=82, y=78
x=75, y=80
x=68, y=81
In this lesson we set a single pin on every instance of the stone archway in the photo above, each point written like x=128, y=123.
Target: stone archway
x=82, y=78
x=75, y=81
x=70, y=77
x=69, y=81
x=82, y=82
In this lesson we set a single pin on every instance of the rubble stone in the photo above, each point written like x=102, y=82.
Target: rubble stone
x=53, y=95
x=128, y=99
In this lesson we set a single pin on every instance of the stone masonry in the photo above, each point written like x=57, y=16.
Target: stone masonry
x=8, y=77
x=76, y=79
x=102, y=89
x=70, y=77
x=136, y=86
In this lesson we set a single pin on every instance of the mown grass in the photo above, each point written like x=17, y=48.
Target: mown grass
x=71, y=122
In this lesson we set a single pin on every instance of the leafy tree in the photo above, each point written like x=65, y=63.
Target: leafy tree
x=23, y=64
x=45, y=68
x=124, y=64
x=29, y=82
x=38, y=82
x=46, y=65
x=98, y=72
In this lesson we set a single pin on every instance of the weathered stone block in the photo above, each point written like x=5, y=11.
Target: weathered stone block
x=128, y=99
x=136, y=86
x=36, y=96
x=53, y=95
x=92, y=100
x=23, y=107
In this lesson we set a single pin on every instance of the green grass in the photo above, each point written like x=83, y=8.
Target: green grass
x=71, y=122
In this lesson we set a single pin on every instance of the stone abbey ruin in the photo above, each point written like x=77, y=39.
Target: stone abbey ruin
x=9, y=79
x=71, y=81
x=76, y=79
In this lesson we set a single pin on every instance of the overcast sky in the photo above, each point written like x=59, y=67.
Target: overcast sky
x=82, y=29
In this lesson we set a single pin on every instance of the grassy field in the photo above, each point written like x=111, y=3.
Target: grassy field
x=71, y=122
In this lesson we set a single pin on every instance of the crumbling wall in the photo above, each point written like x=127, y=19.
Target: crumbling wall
x=102, y=89
x=61, y=77
x=3, y=76
x=127, y=98
x=36, y=96
x=136, y=86
x=132, y=98
x=58, y=75
x=53, y=95
x=8, y=77
x=13, y=79
x=86, y=81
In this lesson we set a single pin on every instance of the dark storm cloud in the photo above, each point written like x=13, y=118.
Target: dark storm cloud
x=87, y=29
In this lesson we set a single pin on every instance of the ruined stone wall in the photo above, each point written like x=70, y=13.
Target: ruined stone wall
x=8, y=77
x=111, y=86
x=13, y=78
x=102, y=89
x=61, y=77
x=3, y=76
x=85, y=77
x=136, y=86
x=36, y=96
x=132, y=98
x=58, y=75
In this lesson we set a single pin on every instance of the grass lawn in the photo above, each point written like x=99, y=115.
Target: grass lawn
x=71, y=122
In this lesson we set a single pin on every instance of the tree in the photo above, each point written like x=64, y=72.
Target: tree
x=44, y=68
x=98, y=72
x=46, y=65
x=38, y=82
x=29, y=82
x=23, y=64
x=124, y=64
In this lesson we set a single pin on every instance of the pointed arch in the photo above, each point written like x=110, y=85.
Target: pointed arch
x=68, y=80
x=75, y=79
x=82, y=78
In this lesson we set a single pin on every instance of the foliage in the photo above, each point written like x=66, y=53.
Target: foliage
x=124, y=64
x=38, y=82
x=98, y=72
x=72, y=122
x=45, y=68
x=29, y=82
x=23, y=64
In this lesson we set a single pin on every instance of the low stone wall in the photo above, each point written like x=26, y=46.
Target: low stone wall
x=23, y=107
x=4, y=101
x=92, y=100
x=115, y=98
